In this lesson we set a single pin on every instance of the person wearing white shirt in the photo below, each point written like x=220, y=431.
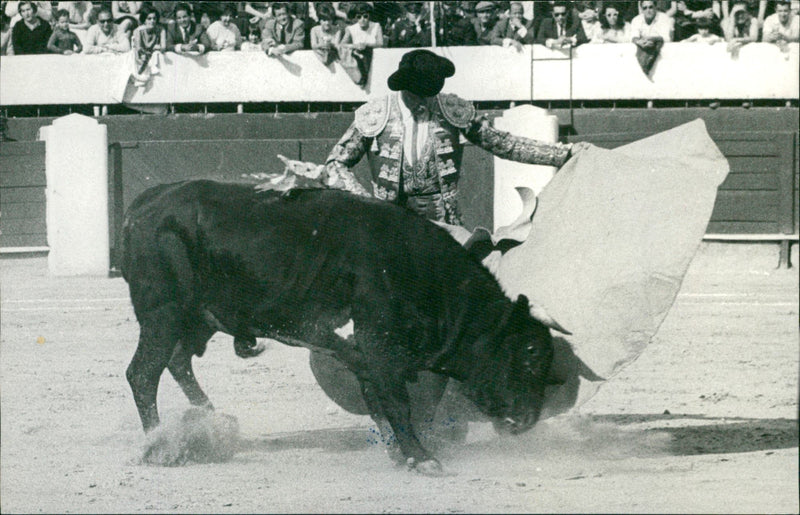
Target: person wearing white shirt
x=651, y=23
x=782, y=26
x=223, y=34
x=105, y=36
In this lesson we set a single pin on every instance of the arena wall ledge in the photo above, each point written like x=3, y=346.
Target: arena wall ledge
x=589, y=72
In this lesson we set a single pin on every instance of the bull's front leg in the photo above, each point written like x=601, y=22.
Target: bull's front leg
x=158, y=335
x=387, y=398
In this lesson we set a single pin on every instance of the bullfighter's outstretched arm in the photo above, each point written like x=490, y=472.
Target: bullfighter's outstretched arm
x=346, y=154
x=515, y=148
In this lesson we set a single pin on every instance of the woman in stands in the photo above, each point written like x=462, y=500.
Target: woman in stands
x=362, y=37
x=31, y=34
x=224, y=35
x=148, y=40
x=326, y=36
x=613, y=28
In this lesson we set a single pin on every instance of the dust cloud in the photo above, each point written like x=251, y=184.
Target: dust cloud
x=199, y=436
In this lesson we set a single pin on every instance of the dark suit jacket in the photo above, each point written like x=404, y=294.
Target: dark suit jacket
x=547, y=30
x=195, y=32
x=502, y=30
x=484, y=36
x=294, y=38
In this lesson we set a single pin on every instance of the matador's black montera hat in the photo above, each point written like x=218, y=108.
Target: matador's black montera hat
x=421, y=72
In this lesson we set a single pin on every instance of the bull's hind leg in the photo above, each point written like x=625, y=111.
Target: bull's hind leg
x=159, y=333
x=180, y=365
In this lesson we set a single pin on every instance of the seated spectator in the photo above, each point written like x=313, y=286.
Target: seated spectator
x=186, y=36
x=79, y=16
x=149, y=39
x=454, y=27
x=703, y=34
x=44, y=10
x=649, y=31
x=651, y=23
x=5, y=34
x=62, y=40
x=782, y=27
x=688, y=13
x=31, y=34
x=106, y=37
x=412, y=29
x=253, y=43
x=613, y=28
x=326, y=36
x=360, y=39
x=484, y=21
x=514, y=31
x=561, y=31
x=284, y=33
x=223, y=34
x=740, y=28
x=125, y=14
x=589, y=18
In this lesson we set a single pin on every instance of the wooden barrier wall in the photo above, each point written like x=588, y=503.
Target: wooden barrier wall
x=758, y=197
x=22, y=197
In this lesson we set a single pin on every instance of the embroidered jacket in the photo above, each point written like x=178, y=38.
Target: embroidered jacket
x=378, y=131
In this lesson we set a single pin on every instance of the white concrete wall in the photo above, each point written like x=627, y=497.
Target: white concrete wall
x=599, y=72
x=76, y=168
x=531, y=122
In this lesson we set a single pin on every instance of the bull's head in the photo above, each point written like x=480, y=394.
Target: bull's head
x=508, y=379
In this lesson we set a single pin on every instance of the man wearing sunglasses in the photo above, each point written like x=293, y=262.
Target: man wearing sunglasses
x=561, y=30
x=105, y=36
x=651, y=24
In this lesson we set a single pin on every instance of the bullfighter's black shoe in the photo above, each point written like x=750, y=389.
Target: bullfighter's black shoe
x=248, y=348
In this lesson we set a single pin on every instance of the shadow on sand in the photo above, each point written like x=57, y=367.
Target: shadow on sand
x=600, y=435
x=330, y=440
x=720, y=435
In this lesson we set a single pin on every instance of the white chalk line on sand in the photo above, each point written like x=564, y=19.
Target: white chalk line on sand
x=31, y=301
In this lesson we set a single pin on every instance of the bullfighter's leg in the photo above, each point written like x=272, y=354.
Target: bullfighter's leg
x=158, y=336
x=180, y=366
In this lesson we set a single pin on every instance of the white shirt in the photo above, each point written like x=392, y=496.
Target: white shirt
x=408, y=125
x=773, y=26
x=661, y=26
x=220, y=34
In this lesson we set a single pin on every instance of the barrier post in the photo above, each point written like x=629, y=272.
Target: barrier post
x=76, y=168
x=531, y=122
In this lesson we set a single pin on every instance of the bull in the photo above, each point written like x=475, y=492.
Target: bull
x=298, y=267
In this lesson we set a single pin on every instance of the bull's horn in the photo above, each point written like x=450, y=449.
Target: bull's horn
x=540, y=314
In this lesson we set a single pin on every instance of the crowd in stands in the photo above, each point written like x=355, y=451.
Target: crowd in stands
x=347, y=32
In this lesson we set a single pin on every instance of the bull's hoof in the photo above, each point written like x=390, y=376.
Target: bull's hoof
x=431, y=467
x=248, y=349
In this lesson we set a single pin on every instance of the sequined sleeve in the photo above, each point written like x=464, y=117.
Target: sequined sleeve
x=515, y=148
x=346, y=154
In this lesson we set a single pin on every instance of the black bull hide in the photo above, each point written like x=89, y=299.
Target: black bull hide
x=383, y=291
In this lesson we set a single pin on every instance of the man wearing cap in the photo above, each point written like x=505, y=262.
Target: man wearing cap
x=411, y=138
x=484, y=22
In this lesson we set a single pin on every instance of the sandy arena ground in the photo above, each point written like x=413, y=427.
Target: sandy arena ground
x=704, y=421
